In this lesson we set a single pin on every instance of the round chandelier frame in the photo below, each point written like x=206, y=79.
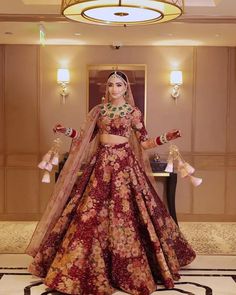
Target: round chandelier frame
x=122, y=12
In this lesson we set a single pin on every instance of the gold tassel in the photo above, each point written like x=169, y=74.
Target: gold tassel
x=47, y=156
x=55, y=159
x=189, y=168
x=49, y=159
x=184, y=168
x=196, y=181
x=183, y=172
x=46, y=177
x=180, y=163
x=48, y=167
x=170, y=166
x=42, y=164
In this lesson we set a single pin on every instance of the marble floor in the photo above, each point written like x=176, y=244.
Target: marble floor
x=212, y=273
x=207, y=275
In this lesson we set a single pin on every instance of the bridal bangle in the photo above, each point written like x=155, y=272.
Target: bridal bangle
x=71, y=132
x=162, y=139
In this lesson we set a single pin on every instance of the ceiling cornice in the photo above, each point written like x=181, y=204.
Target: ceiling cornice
x=58, y=18
x=32, y=18
x=206, y=19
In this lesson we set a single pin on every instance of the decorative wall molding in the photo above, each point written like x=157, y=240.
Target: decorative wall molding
x=202, y=19
x=32, y=18
x=198, y=19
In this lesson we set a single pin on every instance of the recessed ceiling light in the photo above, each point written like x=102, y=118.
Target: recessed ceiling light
x=77, y=34
x=217, y=35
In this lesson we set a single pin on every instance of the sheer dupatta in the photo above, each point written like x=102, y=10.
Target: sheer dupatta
x=81, y=150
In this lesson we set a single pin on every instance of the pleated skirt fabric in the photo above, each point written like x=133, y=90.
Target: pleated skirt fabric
x=114, y=234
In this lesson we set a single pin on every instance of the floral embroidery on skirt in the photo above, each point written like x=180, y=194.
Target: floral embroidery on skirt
x=114, y=233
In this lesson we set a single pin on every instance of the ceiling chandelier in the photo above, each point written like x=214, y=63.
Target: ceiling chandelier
x=122, y=12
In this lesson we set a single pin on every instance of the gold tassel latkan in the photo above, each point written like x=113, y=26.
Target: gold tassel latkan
x=196, y=181
x=170, y=166
x=46, y=177
x=50, y=159
x=184, y=168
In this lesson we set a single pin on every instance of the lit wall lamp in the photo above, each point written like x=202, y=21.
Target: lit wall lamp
x=63, y=78
x=176, y=79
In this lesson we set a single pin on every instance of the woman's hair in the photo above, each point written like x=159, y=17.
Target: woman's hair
x=120, y=74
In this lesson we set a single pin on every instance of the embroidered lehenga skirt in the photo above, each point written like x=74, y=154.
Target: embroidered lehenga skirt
x=114, y=233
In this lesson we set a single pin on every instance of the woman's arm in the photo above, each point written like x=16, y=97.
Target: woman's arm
x=70, y=132
x=142, y=135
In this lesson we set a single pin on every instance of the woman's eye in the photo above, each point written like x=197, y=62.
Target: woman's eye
x=118, y=85
x=110, y=85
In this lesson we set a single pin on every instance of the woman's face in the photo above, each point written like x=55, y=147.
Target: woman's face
x=116, y=87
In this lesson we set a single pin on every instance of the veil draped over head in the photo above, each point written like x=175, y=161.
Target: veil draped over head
x=81, y=151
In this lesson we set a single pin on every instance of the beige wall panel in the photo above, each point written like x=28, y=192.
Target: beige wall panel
x=2, y=132
x=163, y=113
x=2, y=188
x=22, y=190
x=209, y=197
x=231, y=192
x=209, y=162
x=211, y=99
x=183, y=199
x=232, y=104
x=21, y=98
x=22, y=160
x=52, y=111
x=231, y=160
x=2, y=160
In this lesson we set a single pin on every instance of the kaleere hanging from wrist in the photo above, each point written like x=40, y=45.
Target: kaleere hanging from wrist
x=50, y=159
x=170, y=164
x=184, y=168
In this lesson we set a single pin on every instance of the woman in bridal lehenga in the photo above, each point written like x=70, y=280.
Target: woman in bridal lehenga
x=108, y=230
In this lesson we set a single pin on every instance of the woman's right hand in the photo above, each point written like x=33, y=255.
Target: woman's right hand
x=58, y=128
x=70, y=132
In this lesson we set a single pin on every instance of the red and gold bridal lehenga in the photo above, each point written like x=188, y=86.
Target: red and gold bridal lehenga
x=114, y=232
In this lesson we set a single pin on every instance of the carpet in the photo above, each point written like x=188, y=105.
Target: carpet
x=207, y=238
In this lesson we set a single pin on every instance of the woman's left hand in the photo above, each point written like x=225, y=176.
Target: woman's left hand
x=173, y=134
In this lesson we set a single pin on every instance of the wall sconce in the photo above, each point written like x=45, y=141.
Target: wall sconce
x=176, y=79
x=63, y=78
